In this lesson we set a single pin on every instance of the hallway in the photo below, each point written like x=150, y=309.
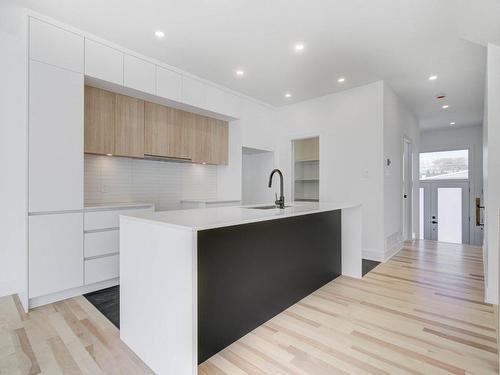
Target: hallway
x=419, y=313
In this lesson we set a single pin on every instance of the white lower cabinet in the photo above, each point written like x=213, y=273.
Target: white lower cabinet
x=55, y=253
x=102, y=243
x=100, y=269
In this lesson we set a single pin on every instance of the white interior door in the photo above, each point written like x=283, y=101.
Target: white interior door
x=445, y=209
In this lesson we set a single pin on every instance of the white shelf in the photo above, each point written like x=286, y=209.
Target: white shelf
x=307, y=180
x=307, y=161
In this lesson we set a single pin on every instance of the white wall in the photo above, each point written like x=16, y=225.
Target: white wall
x=257, y=129
x=256, y=167
x=461, y=138
x=350, y=127
x=115, y=179
x=491, y=167
x=358, y=129
x=13, y=151
x=399, y=123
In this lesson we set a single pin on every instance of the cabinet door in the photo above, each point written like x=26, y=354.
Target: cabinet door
x=158, y=124
x=203, y=140
x=221, y=134
x=99, y=121
x=55, y=139
x=166, y=133
x=56, y=46
x=194, y=92
x=129, y=126
x=103, y=62
x=55, y=253
x=168, y=84
x=210, y=141
x=139, y=74
x=181, y=141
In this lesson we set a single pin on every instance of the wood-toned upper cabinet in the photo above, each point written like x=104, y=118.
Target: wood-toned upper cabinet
x=210, y=141
x=124, y=126
x=166, y=133
x=99, y=121
x=129, y=126
x=221, y=143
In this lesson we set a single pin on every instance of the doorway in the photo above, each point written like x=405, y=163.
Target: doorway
x=407, y=189
x=445, y=196
x=445, y=206
x=305, y=169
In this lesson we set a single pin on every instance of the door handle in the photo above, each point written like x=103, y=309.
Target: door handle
x=434, y=222
x=478, y=213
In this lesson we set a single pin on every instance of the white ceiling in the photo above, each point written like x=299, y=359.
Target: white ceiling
x=400, y=41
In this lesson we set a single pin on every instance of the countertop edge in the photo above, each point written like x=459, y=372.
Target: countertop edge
x=238, y=222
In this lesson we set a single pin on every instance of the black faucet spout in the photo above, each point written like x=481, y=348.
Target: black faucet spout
x=281, y=201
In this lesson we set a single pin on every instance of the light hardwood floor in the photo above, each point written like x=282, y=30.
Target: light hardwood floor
x=419, y=313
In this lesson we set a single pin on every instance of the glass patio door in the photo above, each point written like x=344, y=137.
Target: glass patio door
x=445, y=209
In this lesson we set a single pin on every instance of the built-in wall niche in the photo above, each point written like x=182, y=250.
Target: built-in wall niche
x=305, y=156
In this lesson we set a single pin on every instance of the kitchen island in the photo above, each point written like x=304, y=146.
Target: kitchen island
x=194, y=281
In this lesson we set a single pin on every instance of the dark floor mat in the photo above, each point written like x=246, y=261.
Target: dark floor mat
x=368, y=265
x=107, y=301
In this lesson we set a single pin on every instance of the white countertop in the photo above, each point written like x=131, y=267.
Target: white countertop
x=209, y=200
x=113, y=206
x=216, y=217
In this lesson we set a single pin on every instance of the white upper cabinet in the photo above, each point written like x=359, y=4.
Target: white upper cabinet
x=55, y=253
x=194, y=92
x=140, y=74
x=168, y=84
x=55, y=139
x=222, y=102
x=53, y=45
x=103, y=62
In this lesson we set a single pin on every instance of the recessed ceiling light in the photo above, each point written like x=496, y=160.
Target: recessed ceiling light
x=159, y=34
x=433, y=77
x=452, y=123
x=288, y=95
x=446, y=106
x=341, y=80
x=299, y=47
x=240, y=73
x=109, y=154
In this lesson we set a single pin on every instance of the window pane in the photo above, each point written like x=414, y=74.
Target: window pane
x=450, y=215
x=444, y=165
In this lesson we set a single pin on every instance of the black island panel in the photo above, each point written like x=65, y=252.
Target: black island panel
x=251, y=272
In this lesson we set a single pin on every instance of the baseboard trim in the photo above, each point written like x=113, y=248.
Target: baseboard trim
x=372, y=254
x=382, y=256
x=69, y=293
x=389, y=253
x=490, y=296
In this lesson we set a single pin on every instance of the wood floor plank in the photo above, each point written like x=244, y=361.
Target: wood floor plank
x=422, y=312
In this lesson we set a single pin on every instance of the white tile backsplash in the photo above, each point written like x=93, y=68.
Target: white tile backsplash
x=116, y=179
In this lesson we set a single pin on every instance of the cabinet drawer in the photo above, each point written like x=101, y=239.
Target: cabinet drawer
x=95, y=220
x=102, y=243
x=101, y=269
